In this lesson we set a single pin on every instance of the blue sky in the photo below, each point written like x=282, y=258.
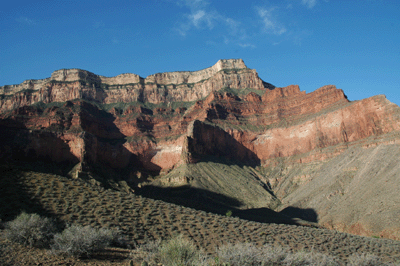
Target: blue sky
x=353, y=44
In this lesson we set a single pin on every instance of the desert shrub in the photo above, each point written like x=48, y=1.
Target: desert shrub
x=241, y=254
x=78, y=240
x=148, y=252
x=179, y=252
x=249, y=255
x=364, y=260
x=273, y=255
x=31, y=230
x=309, y=258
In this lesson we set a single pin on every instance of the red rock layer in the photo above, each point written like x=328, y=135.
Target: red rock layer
x=282, y=122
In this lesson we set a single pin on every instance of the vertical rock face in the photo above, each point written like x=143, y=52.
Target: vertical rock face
x=69, y=84
x=204, y=140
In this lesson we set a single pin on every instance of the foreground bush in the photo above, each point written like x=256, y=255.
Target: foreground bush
x=364, y=260
x=179, y=252
x=246, y=254
x=174, y=252
x=78, y=240
x=308, y=258
x=148, y=252
x=31, y=230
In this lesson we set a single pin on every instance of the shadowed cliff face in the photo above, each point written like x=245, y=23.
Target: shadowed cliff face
x=203, y=140
x=133, y=128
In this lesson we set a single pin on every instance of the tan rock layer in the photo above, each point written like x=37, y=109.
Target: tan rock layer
x=69, y=84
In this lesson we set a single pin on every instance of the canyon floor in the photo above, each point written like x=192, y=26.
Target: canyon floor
x=143, y=219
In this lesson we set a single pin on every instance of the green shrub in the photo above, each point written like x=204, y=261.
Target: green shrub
x=179, y=252
x=78, y=240
x=31, y=230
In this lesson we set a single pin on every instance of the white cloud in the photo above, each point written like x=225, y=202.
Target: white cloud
x=196, y=18
x=309, y=3
x=247, y=45
x=201, y=16
x=270, y=23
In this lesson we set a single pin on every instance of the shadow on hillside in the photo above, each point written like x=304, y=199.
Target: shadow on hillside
x=14, y=195
x=304, y=214
x=264, y=215
x=208, y=201
x=188, y=196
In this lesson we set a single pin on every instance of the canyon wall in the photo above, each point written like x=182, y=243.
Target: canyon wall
x=136, y=127
x=69, y=84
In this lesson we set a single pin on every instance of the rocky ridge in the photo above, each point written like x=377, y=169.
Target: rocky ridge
x=129, y=129
x=69, y=84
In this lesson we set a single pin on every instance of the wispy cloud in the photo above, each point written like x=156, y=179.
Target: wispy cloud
x=270, y=23
x=309, y=3
x=276, y=20
x=202, y=16
x=247, y=45
x=199, y=17
x=26, y=21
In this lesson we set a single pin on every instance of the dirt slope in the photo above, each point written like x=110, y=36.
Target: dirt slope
x=356, y=192
x=143, y=219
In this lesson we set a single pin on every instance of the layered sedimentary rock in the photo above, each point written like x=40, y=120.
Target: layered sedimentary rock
x=139, y=126
x=277, y=122
x=69, y=84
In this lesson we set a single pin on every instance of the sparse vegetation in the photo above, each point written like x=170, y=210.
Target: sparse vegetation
x=179, y=252
x=31, y=230
x=143, y=220
x=78, y=240
x=247, y=254
x=365, y=259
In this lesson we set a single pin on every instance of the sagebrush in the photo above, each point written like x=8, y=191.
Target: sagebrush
x=179, y=251
x=78, y=240
x=247, y=254
x=31, y=230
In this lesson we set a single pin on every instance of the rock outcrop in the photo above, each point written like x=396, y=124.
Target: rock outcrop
x=134, y=127
x=69, y=84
